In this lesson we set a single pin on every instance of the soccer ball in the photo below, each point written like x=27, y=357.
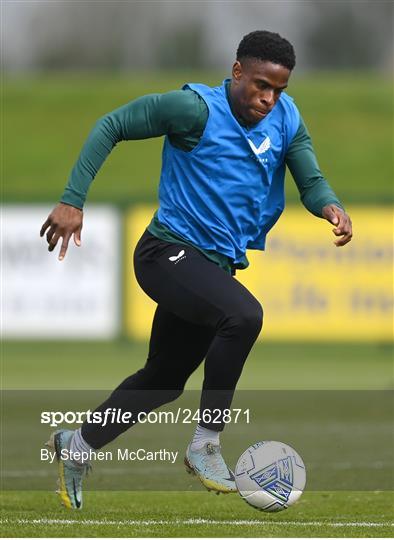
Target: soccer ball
x=270, y=476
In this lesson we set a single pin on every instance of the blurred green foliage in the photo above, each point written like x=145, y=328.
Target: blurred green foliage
x=47, y=118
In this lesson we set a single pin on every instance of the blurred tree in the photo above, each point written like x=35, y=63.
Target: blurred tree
x=183, y=47
x=78, y=35
x=349, y=34
x=128, y=34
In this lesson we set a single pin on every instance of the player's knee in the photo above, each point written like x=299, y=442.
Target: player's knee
x=249, y=321
x=253, y=319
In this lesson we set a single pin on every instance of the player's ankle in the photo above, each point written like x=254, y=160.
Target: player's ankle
x=79, y=448
x=202, y=436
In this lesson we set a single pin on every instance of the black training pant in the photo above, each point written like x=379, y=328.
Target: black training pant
x=202, y=312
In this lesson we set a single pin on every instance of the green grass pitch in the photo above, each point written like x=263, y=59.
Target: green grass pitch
x=175, y=514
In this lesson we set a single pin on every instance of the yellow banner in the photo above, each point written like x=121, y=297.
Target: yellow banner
x=310, y=289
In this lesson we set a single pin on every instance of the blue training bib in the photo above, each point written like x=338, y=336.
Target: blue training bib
x=227, y=193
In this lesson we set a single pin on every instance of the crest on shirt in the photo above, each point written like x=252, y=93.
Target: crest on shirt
x=264, y=146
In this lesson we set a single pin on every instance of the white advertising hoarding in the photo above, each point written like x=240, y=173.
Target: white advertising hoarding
x=44, y=298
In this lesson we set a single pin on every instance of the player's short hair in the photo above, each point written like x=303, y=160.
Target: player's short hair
x=268, y=47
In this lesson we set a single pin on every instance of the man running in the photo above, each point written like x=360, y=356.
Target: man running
x=221, y=191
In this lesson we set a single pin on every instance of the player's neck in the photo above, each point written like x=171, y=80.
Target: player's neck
x=231, y=103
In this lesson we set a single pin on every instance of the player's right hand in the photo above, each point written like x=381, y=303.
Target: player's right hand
x=63, y=222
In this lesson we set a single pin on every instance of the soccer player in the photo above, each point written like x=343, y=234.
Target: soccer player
x=221, y=191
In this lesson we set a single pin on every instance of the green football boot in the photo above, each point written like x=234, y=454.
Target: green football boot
x=70, y=473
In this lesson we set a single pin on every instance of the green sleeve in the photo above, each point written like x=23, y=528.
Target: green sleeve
x=301, y=160
x=180, y=114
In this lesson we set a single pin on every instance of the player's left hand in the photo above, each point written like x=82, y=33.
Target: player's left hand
x=342, y=222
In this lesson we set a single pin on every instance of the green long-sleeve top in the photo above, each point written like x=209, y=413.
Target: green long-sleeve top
x=182, y=115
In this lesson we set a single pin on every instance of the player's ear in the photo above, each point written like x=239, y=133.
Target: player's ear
x=237, y=71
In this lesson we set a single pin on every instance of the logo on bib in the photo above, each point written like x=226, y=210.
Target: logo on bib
x=262, y=149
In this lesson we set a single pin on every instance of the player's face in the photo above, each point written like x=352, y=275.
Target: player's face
x=256, y=87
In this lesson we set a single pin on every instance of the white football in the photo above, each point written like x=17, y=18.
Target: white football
x=270, y=476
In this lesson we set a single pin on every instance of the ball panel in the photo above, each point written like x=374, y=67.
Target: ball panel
x=265, y=502
x=259, y=499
